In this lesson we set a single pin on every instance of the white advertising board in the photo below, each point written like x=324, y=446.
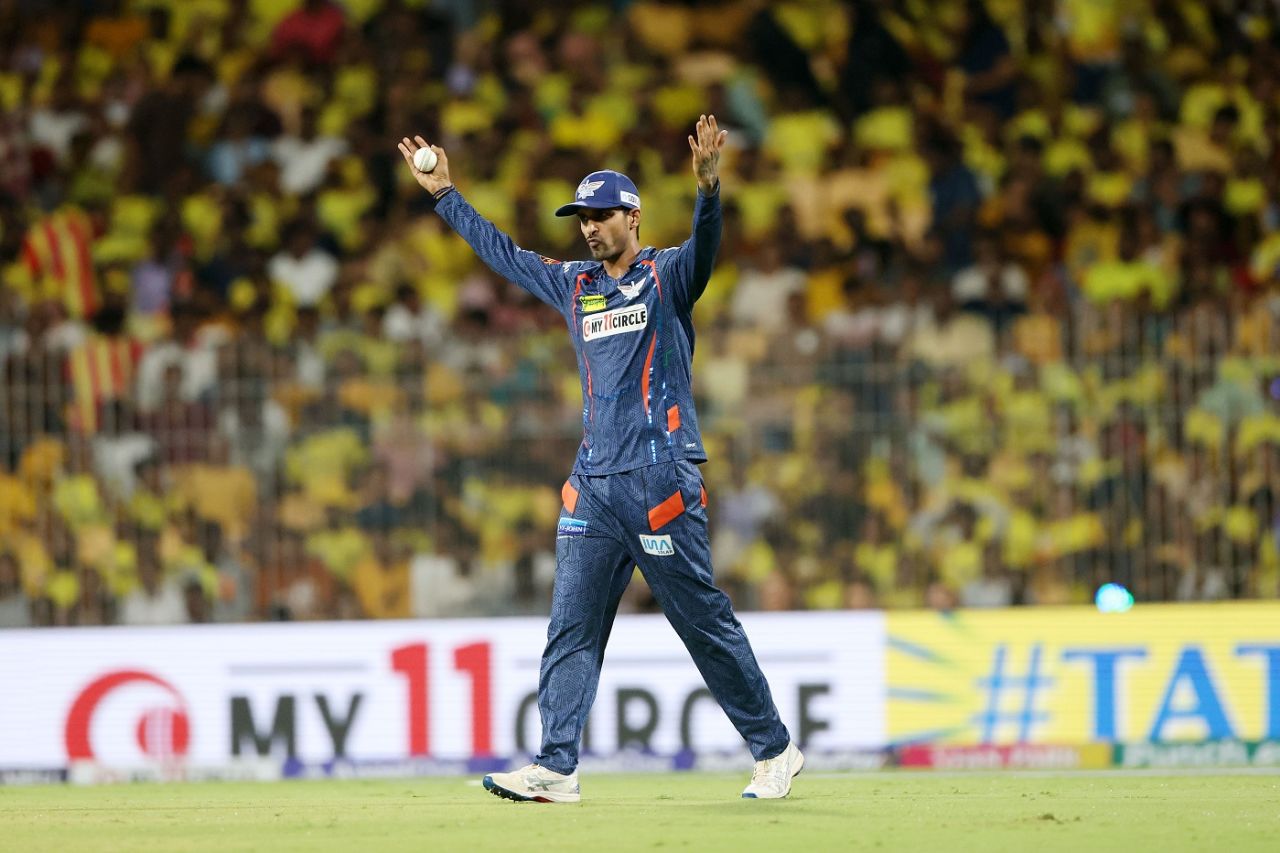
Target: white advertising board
x=461, y=690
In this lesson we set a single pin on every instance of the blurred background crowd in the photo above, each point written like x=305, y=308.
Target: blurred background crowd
x=994, y=319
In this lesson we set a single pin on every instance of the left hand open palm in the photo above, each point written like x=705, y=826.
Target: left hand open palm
x=706, y=151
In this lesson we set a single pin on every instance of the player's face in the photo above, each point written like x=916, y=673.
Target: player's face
x=605, y=231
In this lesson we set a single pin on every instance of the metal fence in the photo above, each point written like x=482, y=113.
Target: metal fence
x=893, y=454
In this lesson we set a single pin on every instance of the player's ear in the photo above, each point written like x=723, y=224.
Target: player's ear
x=633, y=220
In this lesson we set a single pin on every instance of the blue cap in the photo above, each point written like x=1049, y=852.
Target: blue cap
x=603, y=189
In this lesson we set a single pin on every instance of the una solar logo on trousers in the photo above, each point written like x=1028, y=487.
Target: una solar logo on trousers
x=659, y=546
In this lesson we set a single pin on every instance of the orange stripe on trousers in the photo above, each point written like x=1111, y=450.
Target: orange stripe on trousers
x=569, y=495
x=666, y=511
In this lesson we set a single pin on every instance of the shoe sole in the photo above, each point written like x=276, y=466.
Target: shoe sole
x=788, y=791
x=507, y=794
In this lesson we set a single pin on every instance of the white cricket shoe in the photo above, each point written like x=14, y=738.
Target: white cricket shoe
x=534, y=784
x=771, y=778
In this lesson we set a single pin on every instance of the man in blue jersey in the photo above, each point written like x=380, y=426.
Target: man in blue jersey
x=635, y=497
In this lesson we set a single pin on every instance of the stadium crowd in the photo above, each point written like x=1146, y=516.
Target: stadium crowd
x=994, y=319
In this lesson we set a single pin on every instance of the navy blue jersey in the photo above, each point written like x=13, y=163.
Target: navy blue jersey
x=633, y=335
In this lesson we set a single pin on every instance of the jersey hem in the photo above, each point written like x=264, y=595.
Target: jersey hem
x=697, y=458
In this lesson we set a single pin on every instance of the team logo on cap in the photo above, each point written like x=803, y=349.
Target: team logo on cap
x=587, y=189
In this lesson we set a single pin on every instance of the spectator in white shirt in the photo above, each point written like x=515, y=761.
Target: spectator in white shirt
x=304, y=158
x=118, y=449
x=308, y=361
x=54, y=125
x=253, y=430
x=306, y=270
x=994, y=587
x=953, y=338
x=408, y=319
x=993, y=285
x=442, y=581
x=157, y=600
x=760, y=298
x=191, y=347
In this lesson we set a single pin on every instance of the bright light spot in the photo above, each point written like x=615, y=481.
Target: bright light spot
x=1113, y=598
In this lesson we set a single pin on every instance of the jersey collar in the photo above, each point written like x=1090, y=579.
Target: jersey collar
x=643, y=255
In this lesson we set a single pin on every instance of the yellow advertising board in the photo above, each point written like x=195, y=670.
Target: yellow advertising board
x=1075, y=675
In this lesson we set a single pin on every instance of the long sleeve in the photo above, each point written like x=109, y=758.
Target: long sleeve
x=543, y=277
x=695, y=257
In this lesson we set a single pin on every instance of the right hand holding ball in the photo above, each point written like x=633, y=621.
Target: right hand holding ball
x=429, y=163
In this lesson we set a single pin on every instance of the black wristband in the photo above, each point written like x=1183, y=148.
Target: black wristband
x=442, y=192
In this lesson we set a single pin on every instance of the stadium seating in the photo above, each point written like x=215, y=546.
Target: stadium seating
x=996, y=318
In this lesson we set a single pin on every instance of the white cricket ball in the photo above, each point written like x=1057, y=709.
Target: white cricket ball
x=424, y=159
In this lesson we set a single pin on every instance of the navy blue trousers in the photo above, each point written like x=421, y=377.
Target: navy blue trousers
x=654, y=518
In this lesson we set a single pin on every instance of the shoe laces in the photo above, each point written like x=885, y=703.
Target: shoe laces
x=771, y=770
x=540, y=773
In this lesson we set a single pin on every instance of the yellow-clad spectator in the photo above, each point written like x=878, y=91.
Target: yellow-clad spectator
x=1128, y=277
x=800, y=140
x=339, y=546
x=381, y=580
x=876, y=555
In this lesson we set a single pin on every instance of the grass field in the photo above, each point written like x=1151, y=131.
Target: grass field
x=886, y=811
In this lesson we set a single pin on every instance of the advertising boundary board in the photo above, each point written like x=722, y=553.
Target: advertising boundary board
x=1163, y=686
x=1073, y=675
x=454, y=695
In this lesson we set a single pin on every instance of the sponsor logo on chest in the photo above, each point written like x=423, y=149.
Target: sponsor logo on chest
x=591, y=303
x=615, y=322
x=659, y=546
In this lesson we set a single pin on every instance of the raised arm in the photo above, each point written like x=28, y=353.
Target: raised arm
x=540, y=276
x=706, y=153
x=695, y=258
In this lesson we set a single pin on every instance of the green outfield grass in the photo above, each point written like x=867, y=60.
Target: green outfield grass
x=888, y=811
